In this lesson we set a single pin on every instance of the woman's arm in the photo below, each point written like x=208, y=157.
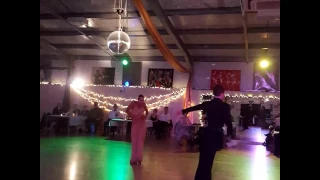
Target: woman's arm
x=146, y=109
x=129, y=108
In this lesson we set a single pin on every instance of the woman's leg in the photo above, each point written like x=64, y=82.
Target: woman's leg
x=140, y=142
x=134, y=139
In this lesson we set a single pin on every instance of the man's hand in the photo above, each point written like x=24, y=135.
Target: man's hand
x=184, y=111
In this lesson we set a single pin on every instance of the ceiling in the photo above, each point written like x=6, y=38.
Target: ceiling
x=210, y=30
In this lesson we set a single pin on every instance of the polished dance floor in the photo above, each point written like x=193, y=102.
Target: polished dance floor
x=94, y=158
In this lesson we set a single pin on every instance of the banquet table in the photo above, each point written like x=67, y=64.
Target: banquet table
x=121, y=123
x=65, y=121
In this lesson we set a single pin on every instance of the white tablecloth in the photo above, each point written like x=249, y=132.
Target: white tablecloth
x=116, y=122
x=77, y=120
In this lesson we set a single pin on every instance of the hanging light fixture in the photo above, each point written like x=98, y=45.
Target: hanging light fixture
x=118, y=41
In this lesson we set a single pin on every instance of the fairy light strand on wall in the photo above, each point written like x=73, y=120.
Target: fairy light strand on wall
x=95, y=97
x=241, y=96
x=115, y=86
x=182, y=90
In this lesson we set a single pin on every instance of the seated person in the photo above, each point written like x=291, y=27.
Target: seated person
x=57, y=110
x=84, y=111
x=95, y=117
x=276, y=136
x=112, y=115
x=75, y=110
x=154, y=118
x=182, y=130
x=164, y=121
x=203, y=117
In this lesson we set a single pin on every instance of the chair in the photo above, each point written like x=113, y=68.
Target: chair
x=99, y=128
x=45, y=123
x=168, y=129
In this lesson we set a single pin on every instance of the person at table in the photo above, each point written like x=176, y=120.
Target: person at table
x=75, y=110
x=276, y=136
x=218, y=113
x=112, y=115
x=138, y=111
x=95, y=116
x=164, y=121
x=155, y=122
x=84, y=111
x=262, y=116
x=57, y=110
x=182, y=130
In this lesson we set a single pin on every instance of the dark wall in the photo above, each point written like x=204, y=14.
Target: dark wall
x=132, y=73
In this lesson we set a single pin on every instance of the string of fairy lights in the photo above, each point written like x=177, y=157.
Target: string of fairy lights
x=249, y=96
x=163, y=100
x=114, y=86
x=95, y=97
x=182, y=90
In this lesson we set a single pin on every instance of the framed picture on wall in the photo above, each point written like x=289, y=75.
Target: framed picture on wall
x=103, y=76
x=229, y=79
x=160, y=78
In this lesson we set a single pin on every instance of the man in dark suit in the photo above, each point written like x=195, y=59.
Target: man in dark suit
x=218, y=114
x=57, y=110
x=95, y=117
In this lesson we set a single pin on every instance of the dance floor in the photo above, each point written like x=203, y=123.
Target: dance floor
x=94, y=158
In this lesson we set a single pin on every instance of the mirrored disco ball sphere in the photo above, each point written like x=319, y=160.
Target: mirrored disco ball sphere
x=118, y=42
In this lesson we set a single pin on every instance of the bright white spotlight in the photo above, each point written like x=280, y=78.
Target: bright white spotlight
x=264, y=64
x=77, y=83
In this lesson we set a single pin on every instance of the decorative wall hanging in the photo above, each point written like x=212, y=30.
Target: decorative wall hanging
x=160, y=78
x=229, y=79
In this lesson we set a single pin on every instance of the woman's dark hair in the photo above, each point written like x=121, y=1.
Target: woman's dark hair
x=140, y=96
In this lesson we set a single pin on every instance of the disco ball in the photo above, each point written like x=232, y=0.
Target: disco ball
x=118, y=42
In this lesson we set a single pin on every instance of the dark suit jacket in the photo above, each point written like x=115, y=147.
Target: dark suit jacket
x=56, y=111
x=95, y=113
x=217, y=113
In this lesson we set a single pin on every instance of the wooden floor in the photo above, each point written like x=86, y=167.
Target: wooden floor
x=94, y=158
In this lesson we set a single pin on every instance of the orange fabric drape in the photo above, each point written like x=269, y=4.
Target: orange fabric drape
x=187, y=97
x=165, y=51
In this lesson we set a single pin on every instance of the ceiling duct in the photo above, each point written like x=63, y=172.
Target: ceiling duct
x=78, y=21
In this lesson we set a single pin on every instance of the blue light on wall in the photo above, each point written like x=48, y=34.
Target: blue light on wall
x=126, y=83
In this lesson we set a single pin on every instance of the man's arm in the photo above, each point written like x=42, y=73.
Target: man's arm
x=110, y=115
x=194, y=108
x=228, y=119
x=54, y=111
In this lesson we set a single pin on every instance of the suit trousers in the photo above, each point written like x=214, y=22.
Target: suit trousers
x=210, y=141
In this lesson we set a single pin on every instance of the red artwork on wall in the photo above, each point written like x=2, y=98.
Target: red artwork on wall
x=229, y=79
